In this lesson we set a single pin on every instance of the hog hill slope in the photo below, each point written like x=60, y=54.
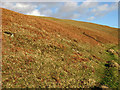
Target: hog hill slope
x=57, y=53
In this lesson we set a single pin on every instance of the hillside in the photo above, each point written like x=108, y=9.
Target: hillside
x=57, y=53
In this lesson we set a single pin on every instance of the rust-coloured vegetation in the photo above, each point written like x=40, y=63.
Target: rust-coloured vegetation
x=55, y=53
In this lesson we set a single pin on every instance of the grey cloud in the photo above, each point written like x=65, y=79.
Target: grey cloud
x=69, y=7
x=47, y=12
x=90, y=4
x=104, y=9
x=19, y=7
x=69, y=10
x=91, y=18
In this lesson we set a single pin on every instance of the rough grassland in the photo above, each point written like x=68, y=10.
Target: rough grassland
x=56, y=53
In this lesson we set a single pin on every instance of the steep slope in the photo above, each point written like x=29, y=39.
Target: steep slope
x=45, y=52
x=70, y=31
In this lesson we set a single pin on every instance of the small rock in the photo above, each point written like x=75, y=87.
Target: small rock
x=9, y=34
x=115, y=64
x=75, y=40
x=112, y=64
x=111, y=50
x=92, y=81
x=104, y=86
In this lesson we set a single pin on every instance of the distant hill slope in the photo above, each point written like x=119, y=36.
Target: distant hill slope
x=39, y=52
x=87, y=25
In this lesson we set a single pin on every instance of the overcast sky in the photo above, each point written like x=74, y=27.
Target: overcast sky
x=105, y=13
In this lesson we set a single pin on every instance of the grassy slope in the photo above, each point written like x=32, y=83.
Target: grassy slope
x=51, y=53
x=89, y=26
